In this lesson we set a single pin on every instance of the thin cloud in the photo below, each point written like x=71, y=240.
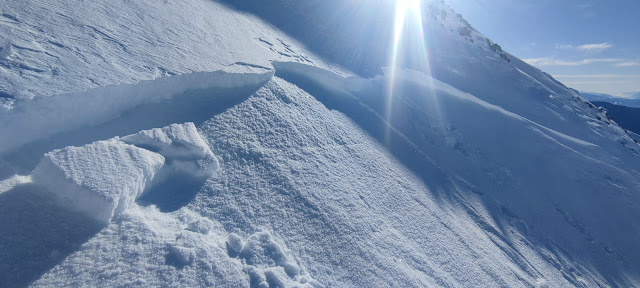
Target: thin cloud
x=595, y=47
x=627, y=64
x=547, y=61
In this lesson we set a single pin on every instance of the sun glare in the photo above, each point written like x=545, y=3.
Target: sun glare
x=412, y=5
x=409, y=42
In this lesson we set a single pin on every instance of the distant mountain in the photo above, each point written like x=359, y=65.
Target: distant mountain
x=632, y=101
x=627, y=117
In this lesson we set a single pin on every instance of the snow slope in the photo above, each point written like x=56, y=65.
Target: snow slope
x=252, y=162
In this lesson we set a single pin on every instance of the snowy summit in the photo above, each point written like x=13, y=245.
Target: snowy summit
x=285, y=143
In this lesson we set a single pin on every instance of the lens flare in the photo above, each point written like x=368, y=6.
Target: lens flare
x=409, y=45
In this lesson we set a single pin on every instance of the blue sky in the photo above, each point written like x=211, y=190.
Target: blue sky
x=590, y=45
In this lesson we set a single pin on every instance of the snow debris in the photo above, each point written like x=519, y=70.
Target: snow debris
x=268, y=263
x=149, y=248
x=180, y=256
x=195, y=223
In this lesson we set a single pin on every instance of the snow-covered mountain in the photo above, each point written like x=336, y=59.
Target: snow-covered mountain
x=298, y=143
x=633, y=100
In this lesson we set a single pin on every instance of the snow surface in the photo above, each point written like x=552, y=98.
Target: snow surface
x=478, y=170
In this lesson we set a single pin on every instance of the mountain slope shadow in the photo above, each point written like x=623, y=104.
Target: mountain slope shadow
x=333, y=28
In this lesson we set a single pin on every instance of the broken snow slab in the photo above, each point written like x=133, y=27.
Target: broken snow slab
x=181, y=145
x=101, y=179
x=104, y=178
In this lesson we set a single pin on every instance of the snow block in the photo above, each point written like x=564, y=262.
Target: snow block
x=182, y=146
x=101, y=179
x=105, y=178
x=235, y=243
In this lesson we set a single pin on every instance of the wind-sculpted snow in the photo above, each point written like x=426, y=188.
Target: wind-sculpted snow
x=51, y=48
x=347, y=194
x=356, y=203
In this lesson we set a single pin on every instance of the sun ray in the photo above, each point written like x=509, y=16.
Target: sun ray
x=408, y=38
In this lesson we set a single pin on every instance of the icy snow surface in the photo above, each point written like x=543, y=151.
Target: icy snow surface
x=250, y=162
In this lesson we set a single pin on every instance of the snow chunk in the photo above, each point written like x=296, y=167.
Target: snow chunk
x=235, y=243
x=180, y=256
x=195, y=222
x=181, y=145
x=101, y=179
